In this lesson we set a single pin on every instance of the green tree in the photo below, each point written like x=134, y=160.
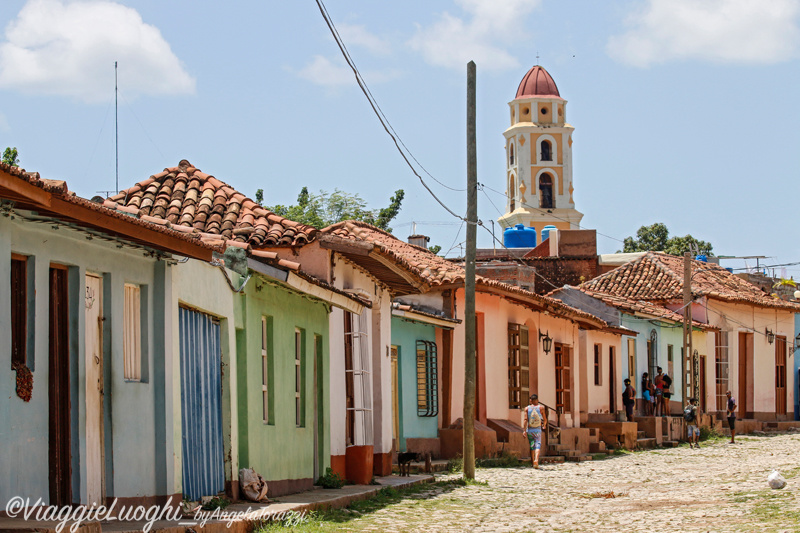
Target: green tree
x=435, y=249
x=323, y=209
x=656, y=238
x=10, y=157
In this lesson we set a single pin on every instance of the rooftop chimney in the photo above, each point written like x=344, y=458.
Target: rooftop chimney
x=419, y=240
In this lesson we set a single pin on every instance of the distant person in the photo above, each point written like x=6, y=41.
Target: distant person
x=691, y=415
x=659, y=398
x=535, y=421
x=731, y=415
x=646, y=386
x=667, y=393
x=629, y=399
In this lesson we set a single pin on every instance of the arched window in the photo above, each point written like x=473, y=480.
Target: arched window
x=546, y=192
x=547, y=151
x=510, y=154
x=511, y=194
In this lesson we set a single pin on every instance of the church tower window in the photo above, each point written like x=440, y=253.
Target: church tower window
x=546, y=192
x=547, y=151
x=511, y=193
x=510, y=154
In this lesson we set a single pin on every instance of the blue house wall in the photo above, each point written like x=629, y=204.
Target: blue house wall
x=405, y=334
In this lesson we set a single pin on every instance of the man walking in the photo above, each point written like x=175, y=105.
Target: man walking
x=535, y=421
x=691, y=415
x=731, y=415
x=629, y=399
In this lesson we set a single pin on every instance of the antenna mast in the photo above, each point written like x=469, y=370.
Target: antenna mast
x=116, y=125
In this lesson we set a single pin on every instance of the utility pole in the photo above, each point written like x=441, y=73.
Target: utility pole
x=469, y=282
x=116, y=125
x=688, y=353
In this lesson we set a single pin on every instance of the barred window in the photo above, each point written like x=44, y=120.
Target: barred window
x=721, y=342
x=427, y=386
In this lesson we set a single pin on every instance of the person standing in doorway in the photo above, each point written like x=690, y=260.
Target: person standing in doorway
x=659, y=383
x=629, y=399
x=646, y=384
x=535, y=422
x=731, y=415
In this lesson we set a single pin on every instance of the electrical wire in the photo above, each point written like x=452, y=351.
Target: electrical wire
x=375, y=108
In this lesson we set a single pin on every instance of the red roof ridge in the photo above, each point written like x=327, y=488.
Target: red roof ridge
x=186, y=196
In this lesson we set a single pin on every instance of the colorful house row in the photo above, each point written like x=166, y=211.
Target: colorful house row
x=152, y=362
x=743, y=338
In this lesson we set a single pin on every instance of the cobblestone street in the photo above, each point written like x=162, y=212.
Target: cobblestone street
x=720, y=487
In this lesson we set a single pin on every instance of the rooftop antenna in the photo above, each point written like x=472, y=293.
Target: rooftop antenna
x=116, y=124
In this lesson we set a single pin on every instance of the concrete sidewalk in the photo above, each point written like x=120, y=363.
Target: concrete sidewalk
x=249, y=512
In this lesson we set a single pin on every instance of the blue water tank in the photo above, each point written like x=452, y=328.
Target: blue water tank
x=729, y=270
x=519, y=236
x=546, y=232
x=702, y=257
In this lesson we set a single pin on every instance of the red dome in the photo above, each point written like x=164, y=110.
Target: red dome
x=537, y=82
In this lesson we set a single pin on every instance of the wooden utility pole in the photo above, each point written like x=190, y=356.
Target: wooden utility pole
x=469, y=282
x=688, y=353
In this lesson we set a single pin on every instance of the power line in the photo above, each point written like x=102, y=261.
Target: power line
x=375, y=108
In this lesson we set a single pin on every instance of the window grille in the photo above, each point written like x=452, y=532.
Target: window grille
x=427, y=379
x=358, y=377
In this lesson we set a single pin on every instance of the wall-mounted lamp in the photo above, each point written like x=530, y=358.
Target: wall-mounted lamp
x=770, y=336
x=547, y=341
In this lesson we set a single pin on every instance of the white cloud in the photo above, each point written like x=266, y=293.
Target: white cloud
x=69, y=49
x=721, y=31
x=323, y=71
x=358, y=35
x=484, y=35
x=327, y=73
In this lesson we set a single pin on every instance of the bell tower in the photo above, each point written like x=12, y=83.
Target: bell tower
x=539, y=157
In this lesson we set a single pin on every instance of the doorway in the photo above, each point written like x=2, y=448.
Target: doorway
x=59, y=441
x=201, y=404
x=780, y=376
x=93, y=304
x=563, y=404
x=612, y=380
x=745, y=371
x=395, y=402
x=702, y=386
x=319, y=408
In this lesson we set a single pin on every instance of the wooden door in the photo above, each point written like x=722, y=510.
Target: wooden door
x=395, y=402
x=702, y=387
x=562, y=355
x=743, y=371
x=93, y=304
x=319, y=408
x=201, y=404
x=612, y=380
x=780, y=375
x=58, y=390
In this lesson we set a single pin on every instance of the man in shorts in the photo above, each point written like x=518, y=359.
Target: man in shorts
x=535, y=422
x=692, y=415
x=731, y=415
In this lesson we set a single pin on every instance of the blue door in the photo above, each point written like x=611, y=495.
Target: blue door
x=201, y=405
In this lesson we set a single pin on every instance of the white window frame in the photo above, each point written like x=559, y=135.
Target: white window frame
x=298, y=376
x=132, y=332
x=264, y=371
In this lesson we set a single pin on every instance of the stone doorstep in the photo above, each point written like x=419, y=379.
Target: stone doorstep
x=305, y=501
x=645, y=443
x=437, y=465
x=670, y=443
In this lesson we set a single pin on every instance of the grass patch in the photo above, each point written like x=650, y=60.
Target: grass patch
x=504, y=460
x=216, y=503
x=342, y=519
x=455, y=465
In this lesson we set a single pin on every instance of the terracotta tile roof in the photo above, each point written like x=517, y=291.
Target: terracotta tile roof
x=639, y=306
x=657, y=276
x=436, y=271
x=58, y=189
x=192, y=200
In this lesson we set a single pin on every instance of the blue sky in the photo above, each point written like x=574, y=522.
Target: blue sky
x=685, y=110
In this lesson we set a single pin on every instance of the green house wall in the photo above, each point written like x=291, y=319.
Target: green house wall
x=280, y=450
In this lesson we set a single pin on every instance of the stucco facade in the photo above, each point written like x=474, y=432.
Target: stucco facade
x=137, y=436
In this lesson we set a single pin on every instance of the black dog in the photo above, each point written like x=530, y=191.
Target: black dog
x=404, y=460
